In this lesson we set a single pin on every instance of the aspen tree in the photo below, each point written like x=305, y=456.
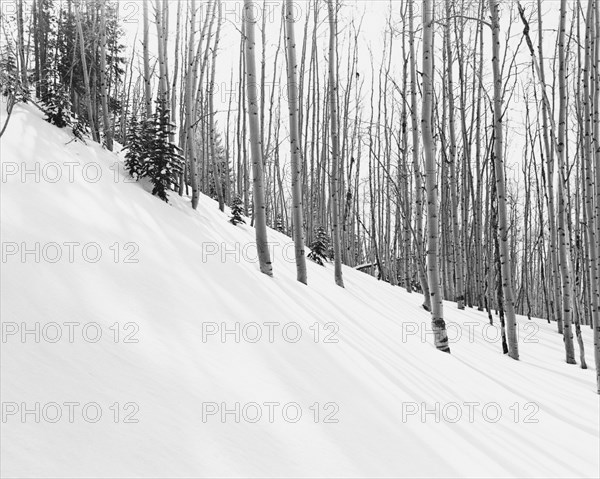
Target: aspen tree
x=21, y=47
x=555, y=277
x=103, y=87
x=478, y=201
x=335, y=159
x=415, y=161
x=211, y=113
x=189, y=107
x=296, y=153
x=146, y=54
x=458, y=257
x=86, y=79
x=437, y=312
x=162, y=66
x=564, y=246
x=588, y=117
x=498, y=155
x=260, y=219
x=176, y=69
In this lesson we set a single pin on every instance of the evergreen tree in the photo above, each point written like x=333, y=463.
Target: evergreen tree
x=220, y=161
x=134, y=158
x=319, y=248
x=163, y=162
x=44, y=32
x=10, y=82
x=57, y=104
x=237, y=210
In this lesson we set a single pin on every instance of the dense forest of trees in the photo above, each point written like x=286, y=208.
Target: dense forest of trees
x=401, y=170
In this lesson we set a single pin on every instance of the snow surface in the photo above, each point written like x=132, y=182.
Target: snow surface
x=375, y=376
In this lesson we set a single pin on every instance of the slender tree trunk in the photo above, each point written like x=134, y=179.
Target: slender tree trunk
x=564, y=246
x=295, y=143
x=437, y=312
x=189, y=93
x=260, y=217
x=335, y=159
x=212, y=119
x=107, y=127
x=498, y=154
x=415, y=161
x=21, y=47
x=175, y=75
x=555, y=277
x=589, y=180
x=458, y=257
x=478, y=202
x=162, y=67
x=86, y=79
x=147, y=88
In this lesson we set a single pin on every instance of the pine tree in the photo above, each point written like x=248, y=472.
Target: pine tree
x=320, y=247
x=57, y=105
x=10, y=82
x=219, y=161
x=135, y=148
x=163, y=162
x=237, y=209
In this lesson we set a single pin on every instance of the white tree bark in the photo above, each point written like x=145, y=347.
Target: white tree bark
x=107, y=127
x=505, y=262
x=335, y=145
x=86, y=78
x=589, y=180
x=564, y=245
x=147, y=88
x=458, y=254
x=415, y=161
x=437, y=311
x=189, y=107
x=296, y=152
x=212, y=119
x=21, y=47
x=253, y=94
x=555, y=278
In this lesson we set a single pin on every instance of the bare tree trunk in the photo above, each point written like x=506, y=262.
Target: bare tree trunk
x=415, y=160
x=162, y=69
x=175, y=75
x=21, y=47
x=564, y=246
x=458, y=257
x=554, y=278
x=437, y=311
x=107, y=127
x=212, y=119
x=589, y=180
x=86, y=79
x=498, y=154
x=335, y=208
x=478, y=202
x=260, y=218
x=189, y=107
x=295, y=144
x=147, y=88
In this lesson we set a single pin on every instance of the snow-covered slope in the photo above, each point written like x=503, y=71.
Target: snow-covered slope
x=169, y=276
